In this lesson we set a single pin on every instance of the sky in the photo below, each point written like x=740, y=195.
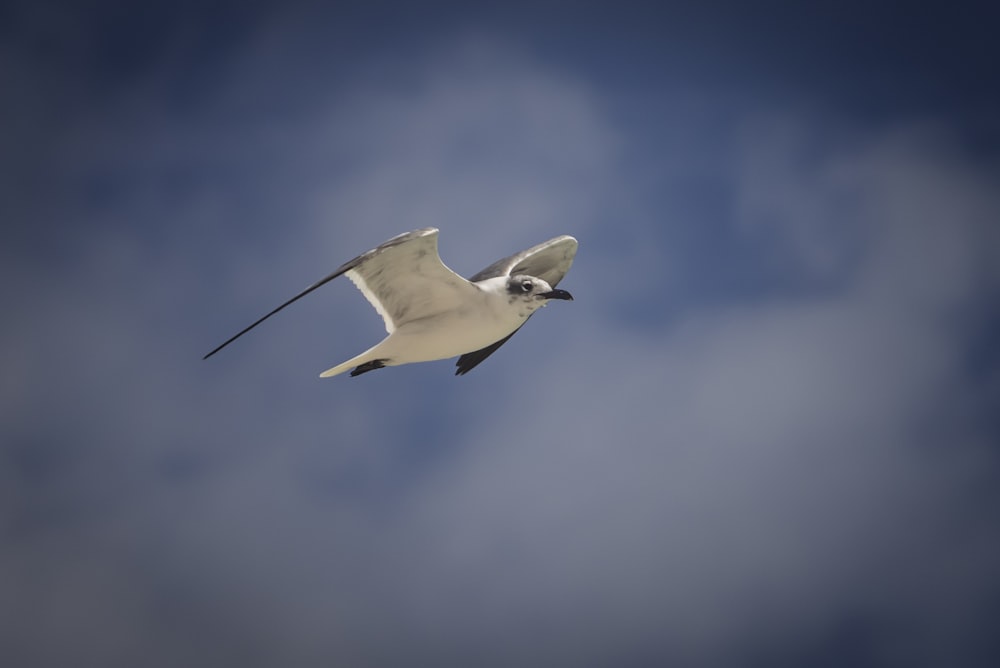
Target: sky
x=763, y=434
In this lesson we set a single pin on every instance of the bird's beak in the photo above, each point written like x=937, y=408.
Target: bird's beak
x=556, y=294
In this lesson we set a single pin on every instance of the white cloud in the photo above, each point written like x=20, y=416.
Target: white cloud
x=757, y=473
x=743, y=481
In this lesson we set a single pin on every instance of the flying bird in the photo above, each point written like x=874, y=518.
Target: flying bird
x=432, y=313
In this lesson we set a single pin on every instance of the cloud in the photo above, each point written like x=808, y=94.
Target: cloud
x=802, y=471
x=761, y=476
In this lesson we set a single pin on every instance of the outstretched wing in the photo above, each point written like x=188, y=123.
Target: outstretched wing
x=469, y=361
x=549, y=261
x=407, y=281
x=403, y=278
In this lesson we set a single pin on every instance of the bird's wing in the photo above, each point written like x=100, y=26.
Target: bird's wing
x=470, y=361
x=403, y=279
x=549, y=261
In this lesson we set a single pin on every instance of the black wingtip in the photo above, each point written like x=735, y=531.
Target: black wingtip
x=323, y=281
x=469, y=361
x=212, y=352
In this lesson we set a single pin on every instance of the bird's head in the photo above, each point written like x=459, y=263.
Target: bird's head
x=534, y=289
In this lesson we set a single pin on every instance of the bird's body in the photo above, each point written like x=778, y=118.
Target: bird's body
x=485, y=317
x=432, y=313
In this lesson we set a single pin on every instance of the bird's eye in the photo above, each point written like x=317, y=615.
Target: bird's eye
x=526, y=286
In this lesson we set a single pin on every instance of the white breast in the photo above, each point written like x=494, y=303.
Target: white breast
x=476, y=324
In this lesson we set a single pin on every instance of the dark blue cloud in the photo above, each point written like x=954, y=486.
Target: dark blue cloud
x=763, y=433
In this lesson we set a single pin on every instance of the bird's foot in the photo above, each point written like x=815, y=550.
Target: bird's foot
x=368, y=366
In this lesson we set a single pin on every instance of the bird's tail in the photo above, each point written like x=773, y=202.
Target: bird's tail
x=358, y=360
x=340, y=368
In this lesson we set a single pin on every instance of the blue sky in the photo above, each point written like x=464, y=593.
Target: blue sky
x=762, y=434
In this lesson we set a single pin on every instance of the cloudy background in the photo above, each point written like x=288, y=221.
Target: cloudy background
x=765, y=433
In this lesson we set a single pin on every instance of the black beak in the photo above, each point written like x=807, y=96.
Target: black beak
x=556, y=294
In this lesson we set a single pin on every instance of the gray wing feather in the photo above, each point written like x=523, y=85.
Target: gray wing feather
x=429, y=234
x=407, y=281
x=549, y=261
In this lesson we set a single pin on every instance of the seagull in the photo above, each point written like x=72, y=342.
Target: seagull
x=432, y=313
